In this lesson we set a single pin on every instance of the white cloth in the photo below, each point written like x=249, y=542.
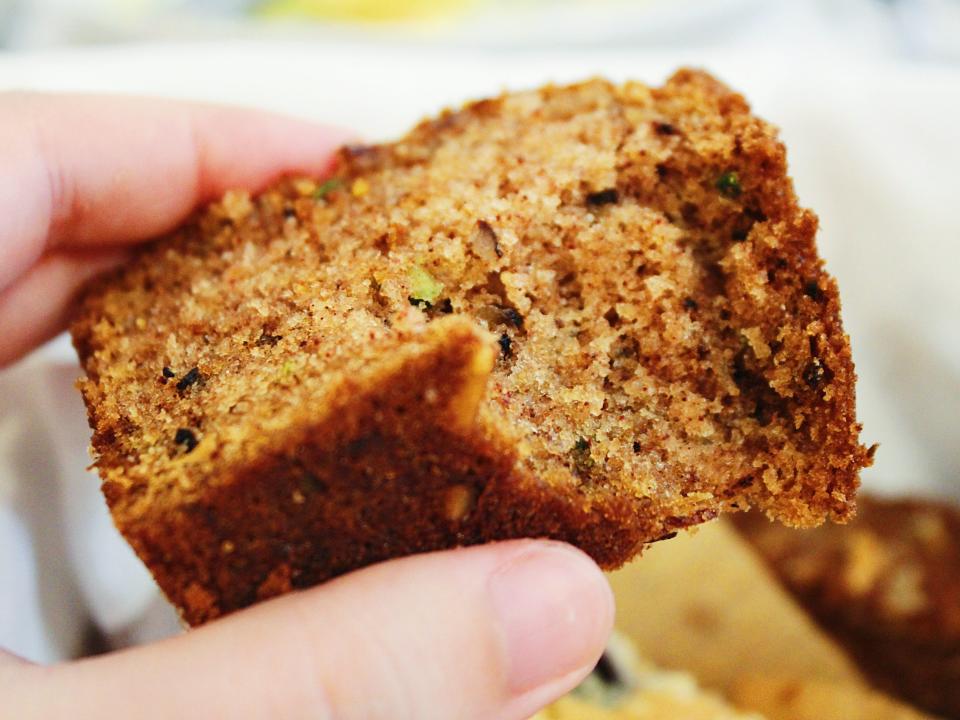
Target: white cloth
x=873, y=147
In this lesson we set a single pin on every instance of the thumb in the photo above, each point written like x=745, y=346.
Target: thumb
x=489, y=632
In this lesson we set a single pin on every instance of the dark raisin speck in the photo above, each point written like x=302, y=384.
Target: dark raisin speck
x=289, y=213
x=506, y=345
x=187, y=438
x=690, y=304
x=603, y=197
x=813, y=291
x=636, y=446
x=418, y=303
x=168, y=373
x=582, y=461
x=815, y=374
x=663, y=128
x=267, y=338
x=513, y=317
x=729, y=185
x=445, y=306
x=192, y=376
x=612, y=317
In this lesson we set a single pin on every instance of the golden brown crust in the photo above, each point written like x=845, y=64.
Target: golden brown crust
x=887, y=586
x=669, y=346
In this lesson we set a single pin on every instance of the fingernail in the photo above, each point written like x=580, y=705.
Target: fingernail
x=555, y=610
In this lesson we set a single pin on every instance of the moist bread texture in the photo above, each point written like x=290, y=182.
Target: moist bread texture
x=887, y=587
x=592, y=313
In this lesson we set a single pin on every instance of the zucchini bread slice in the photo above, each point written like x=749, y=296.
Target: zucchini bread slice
x=592, y=313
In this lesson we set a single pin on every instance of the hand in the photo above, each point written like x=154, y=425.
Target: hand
x=491, y=632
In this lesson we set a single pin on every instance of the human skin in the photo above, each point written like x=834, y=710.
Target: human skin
x=492, y=632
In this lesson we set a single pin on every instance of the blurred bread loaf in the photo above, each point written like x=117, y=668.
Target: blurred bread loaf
x=706, y=603
x=887, y=587
x=817, y=699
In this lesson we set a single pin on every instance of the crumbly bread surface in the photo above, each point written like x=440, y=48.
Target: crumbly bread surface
x=593, y=313
x=887, y=586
